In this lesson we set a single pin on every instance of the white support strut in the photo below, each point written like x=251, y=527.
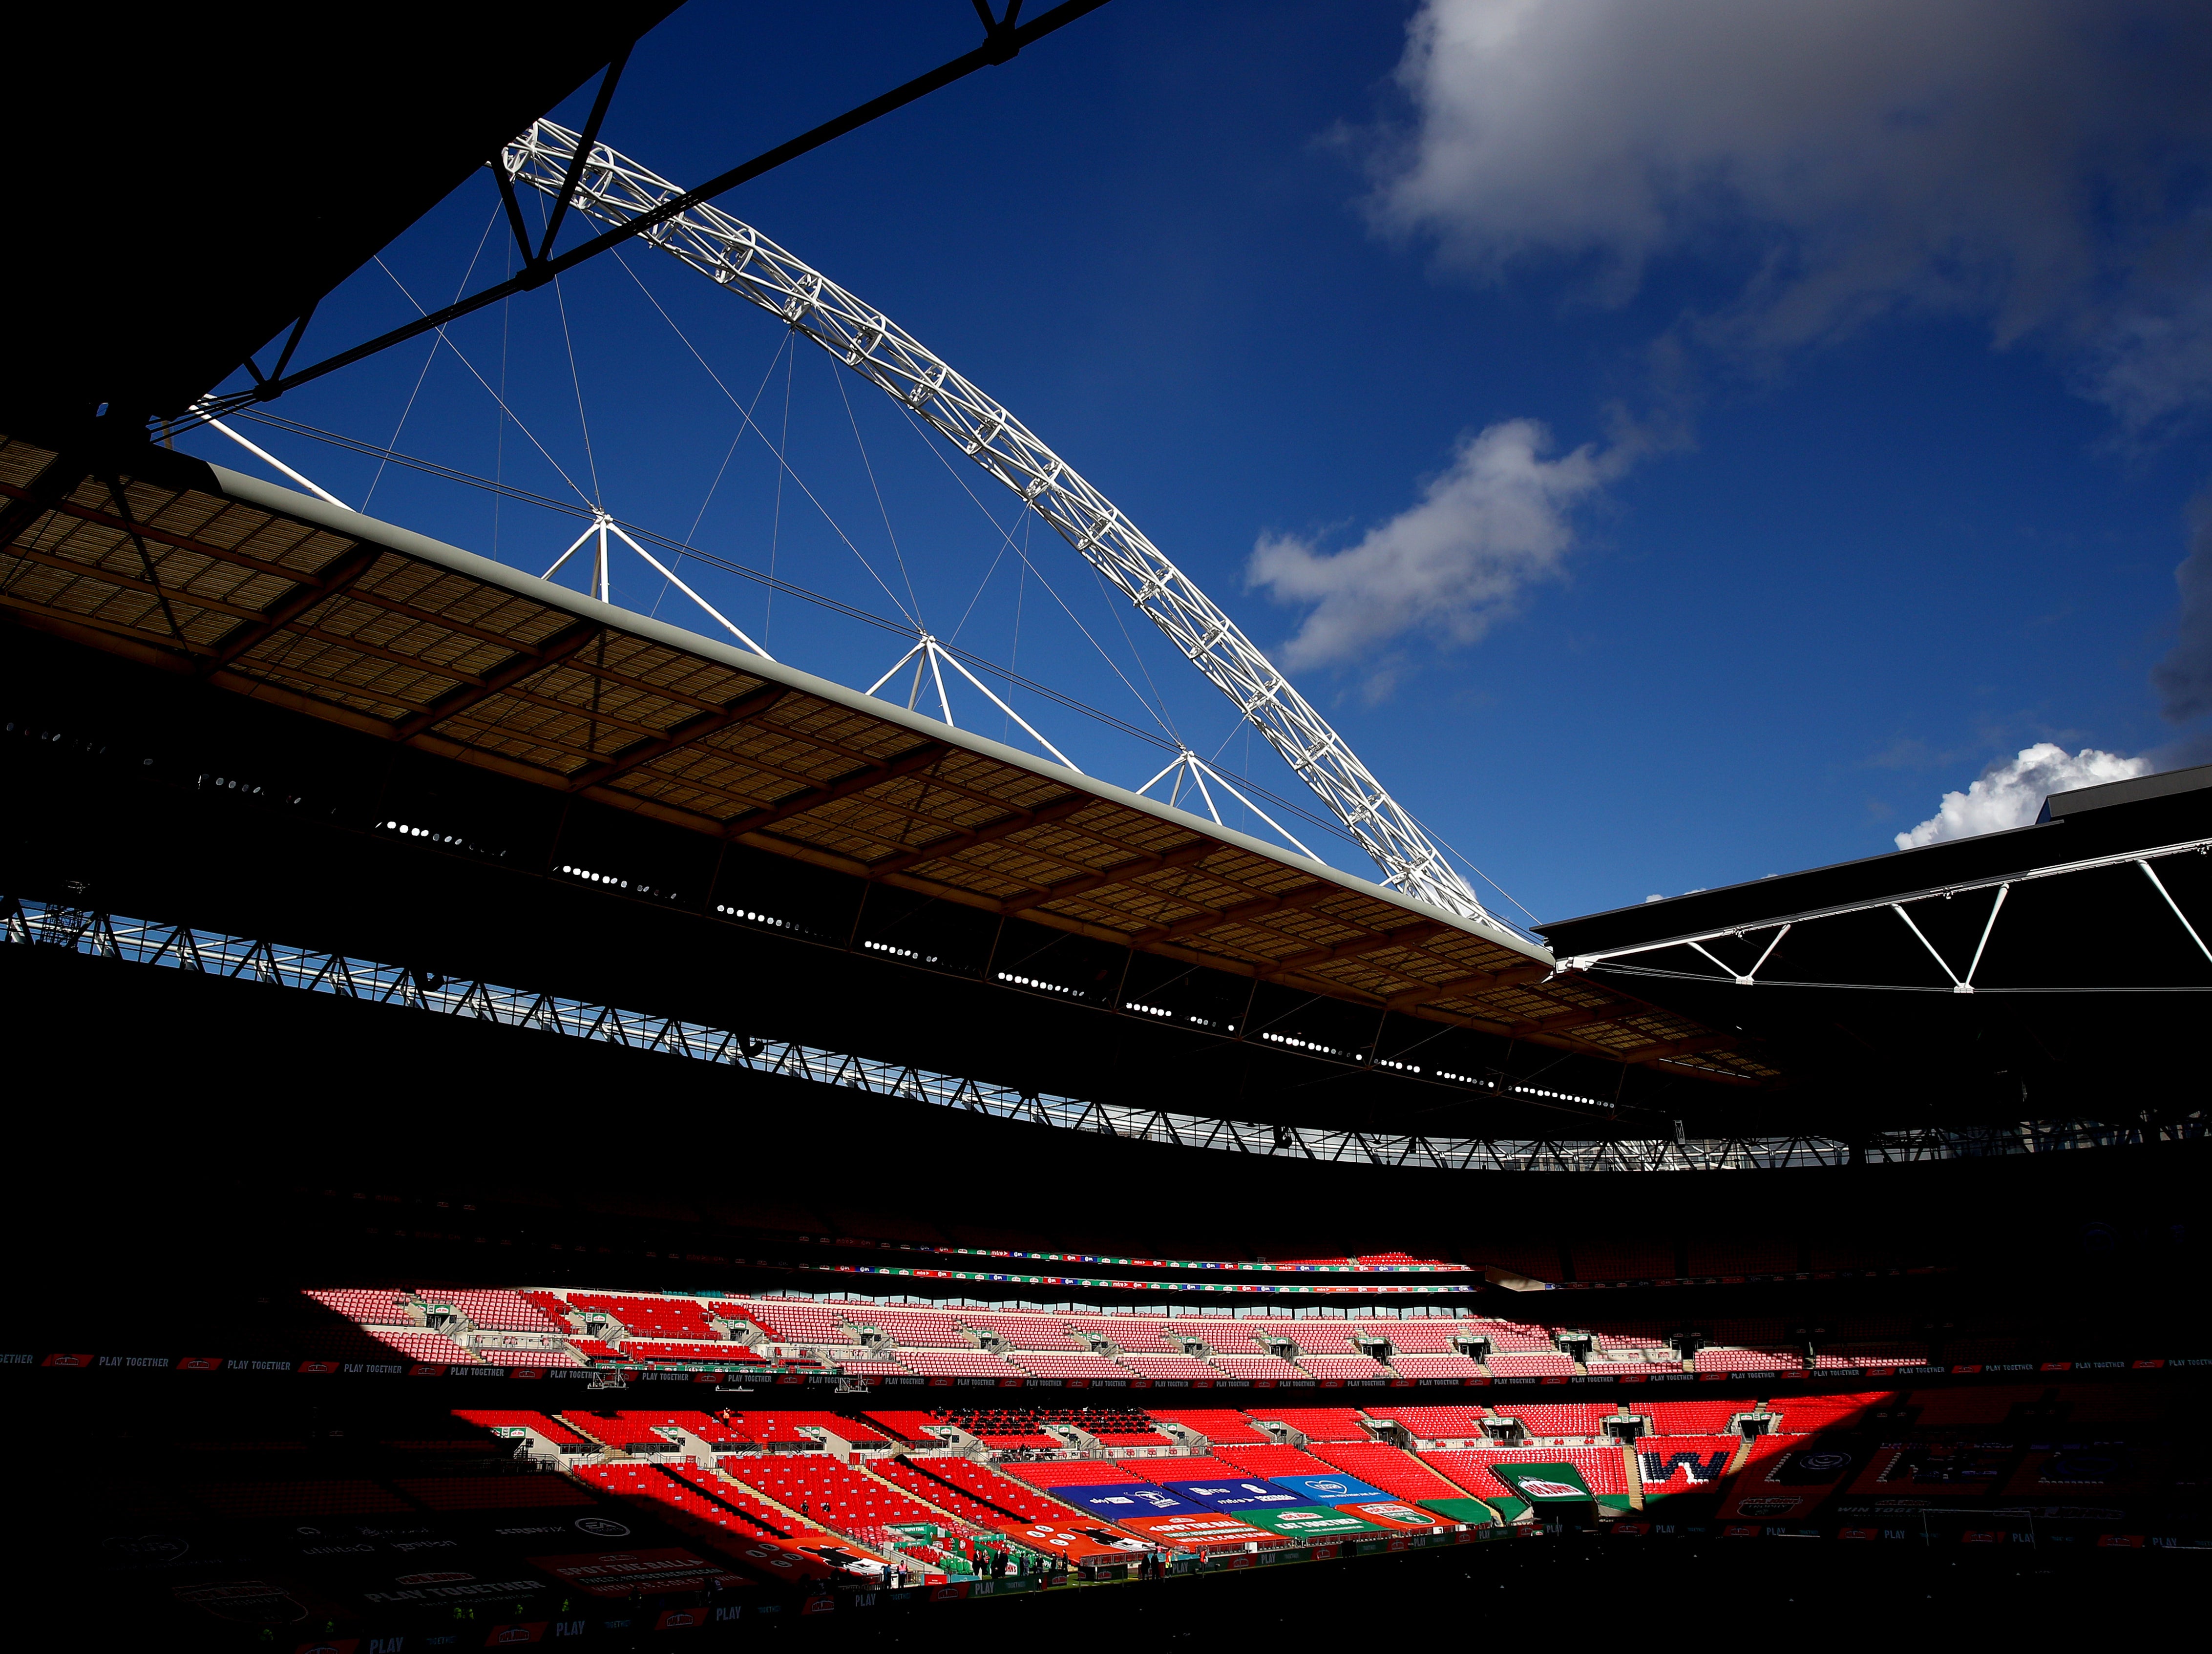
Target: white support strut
x=615, y=191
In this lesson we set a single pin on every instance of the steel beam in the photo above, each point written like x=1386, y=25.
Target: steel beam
x=907, y=763
x=1121, y=875
x=746, y=706
x=528, y=661
x=1059, y=809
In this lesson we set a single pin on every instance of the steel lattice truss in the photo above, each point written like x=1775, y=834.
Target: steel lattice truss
x=27, y=922
x=616, y=191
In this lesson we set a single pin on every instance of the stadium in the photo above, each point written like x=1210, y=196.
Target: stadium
x=552, y=1125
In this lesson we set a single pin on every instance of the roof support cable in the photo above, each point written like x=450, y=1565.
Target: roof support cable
x=2160, y=884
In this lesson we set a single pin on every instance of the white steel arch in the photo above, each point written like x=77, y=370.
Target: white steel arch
x=615, y=191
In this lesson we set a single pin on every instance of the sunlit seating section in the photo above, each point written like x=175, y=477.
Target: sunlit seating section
x=1068, y=1473
x=1718, y=1359
x=910, y=1425
x=1065, y=1364
x=714, y=1352
x=793, y=1321
x=1272, y=1461
x=423, y=1346
x=954, y=1363
x=1602, y=1469
x=1411, y=1337
x=1434, y=1367
x=1255, y=1366
x=849, y=1500
x=1320, y=1424
x=1220, y=1425
x=1392, y=1470
x=509, y=1418
x=497, y=1310
x=1689, y=1418
x=1133, y=1333
x=379, y=1307
x=1511, y=1335
x=1436, y=1424
x=1024, y=1332
x=1170, y=1366
x=1003, y=1492
x=914, y=1328
x=644, y=1316
x=1343, y=1369
x=1558, y=1419
x=1530, y=1364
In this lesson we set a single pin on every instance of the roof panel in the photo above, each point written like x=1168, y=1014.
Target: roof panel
x=385, y=630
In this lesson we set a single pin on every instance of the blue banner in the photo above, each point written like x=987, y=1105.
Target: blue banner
x=1126, y=1501
x=1337, y=1489
x=1237, y=1497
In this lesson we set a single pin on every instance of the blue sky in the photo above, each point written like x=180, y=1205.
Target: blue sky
x=1873, y=401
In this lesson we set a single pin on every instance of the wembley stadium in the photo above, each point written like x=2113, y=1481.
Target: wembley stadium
x=539, y=1122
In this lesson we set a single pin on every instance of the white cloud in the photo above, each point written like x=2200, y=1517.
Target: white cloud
x=1497, y=521
x=2037, y=164
x=2010, y=793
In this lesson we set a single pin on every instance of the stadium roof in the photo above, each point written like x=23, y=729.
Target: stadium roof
x=270, y=594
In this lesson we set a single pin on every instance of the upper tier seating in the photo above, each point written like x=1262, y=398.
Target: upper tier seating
x=1392, y=1470
x=1255, y=1366
x=710, y=1352
x=793, y=1321
x=1433, y=1424
x=1630, y=1361
x=425, y=1346
x=955, y=1363
x=1689, y=1418
x=1561, y=1419
x=1321, y=1424
x=499, y=1355
x=1434, y=1367
x=1530, y=1364
x=1356, y=1369
x=650, y=1317
x=1412, y=1337
x=1716, y=1359
x=1219, y=1424
x=498, y=1310
x=378, y=1307
x=1170, y=1367
x=1067, y=1364
x=1025, y=1332
x=914, y=1328
x=1511, y=1335
x=1131, y=1333
x=1325, y=1338
x=1272, y=1461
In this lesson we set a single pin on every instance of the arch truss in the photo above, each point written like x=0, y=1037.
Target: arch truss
x=615, y=191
